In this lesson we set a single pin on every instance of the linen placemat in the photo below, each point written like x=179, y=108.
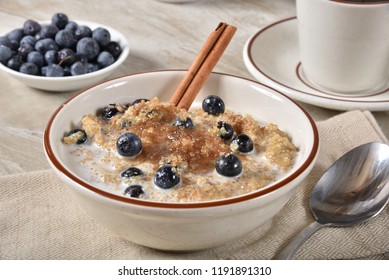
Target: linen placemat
x=40, y=220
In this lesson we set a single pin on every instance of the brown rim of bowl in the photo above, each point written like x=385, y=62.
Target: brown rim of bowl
x=360, y=3
x=212, y=203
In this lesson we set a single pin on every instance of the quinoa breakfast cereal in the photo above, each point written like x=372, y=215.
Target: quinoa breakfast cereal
x=154, y=151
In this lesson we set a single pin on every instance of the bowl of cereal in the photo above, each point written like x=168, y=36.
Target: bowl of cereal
x=180, y=180
x=62, y=54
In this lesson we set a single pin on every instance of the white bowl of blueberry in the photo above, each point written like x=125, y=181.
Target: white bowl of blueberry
x=62, y=54
x=176, y=179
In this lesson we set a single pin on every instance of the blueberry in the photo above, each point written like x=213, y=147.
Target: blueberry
x=228, y=165
x=226, y=132
x=109, y=111
x=51, y=57
x=65, y=39
x=92, y=50
x=105, y=59
x=47, y=31
x=66, y=71
x=244, y=143
x=31, y=27
x=82, y=31
x=114, y=49
x=45, y=45
x=166, y=177
x=24, y=50
x=5, y=54
x=131, y=172
x=66, y=57
x=15, y=62
x=129, y=144
x=81, y=57
x=187, y=123
x=213, y=105
x=60, y=20
x=88, y=47
x=82, y=137
x=14, y=45
x=71, y=26
x=102, y=36
x=44, y=71
x=4, y=41
x=78, y=68
x=92, y=67
x=133, y=191
x=16, y=34
x=28, y=39
x=54, y=70
x=29, y=68
x=36, y=58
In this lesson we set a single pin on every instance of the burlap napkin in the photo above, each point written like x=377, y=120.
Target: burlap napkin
x=40, y=220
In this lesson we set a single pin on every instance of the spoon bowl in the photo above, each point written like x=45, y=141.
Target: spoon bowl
x=353, y=190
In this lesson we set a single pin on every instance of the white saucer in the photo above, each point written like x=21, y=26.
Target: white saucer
x=272, y=56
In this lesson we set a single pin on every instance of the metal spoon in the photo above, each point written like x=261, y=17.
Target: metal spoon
x=354, y=189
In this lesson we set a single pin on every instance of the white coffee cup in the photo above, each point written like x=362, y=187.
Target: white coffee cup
x=344, y=46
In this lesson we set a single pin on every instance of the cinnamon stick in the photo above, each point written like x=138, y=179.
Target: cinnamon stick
x=202, y=66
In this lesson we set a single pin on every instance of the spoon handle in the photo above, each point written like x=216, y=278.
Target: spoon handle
x=288, y=252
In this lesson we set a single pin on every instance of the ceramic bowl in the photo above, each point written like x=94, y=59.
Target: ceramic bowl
x=184, y=226
x=69, y=83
